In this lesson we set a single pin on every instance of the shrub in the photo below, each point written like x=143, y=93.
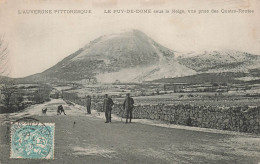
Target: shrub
x=190, y=95
x=180, y=96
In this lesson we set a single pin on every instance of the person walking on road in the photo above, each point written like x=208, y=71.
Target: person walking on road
x=128, y=107
x=107, y=107
x=88, y=103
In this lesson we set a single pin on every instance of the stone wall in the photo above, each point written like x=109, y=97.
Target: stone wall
x=242, y=119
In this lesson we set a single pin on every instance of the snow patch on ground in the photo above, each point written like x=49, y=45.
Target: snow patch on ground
x=165, y=69
x=248, y=78
x=124, y=75
x=94, y=150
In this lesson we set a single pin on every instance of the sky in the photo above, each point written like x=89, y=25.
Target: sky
x=38, y=41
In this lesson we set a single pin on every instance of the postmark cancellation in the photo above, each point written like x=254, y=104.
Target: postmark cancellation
x=31, y=139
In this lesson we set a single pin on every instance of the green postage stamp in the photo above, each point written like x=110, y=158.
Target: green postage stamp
x=31, y=139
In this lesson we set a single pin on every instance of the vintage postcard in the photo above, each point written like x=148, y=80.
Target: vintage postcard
x=129, y=81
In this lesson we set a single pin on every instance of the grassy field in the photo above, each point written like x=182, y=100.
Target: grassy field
x=150, y=96
x=197, y=99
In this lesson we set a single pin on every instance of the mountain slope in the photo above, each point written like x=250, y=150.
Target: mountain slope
x=220, y=61
x=134, y=57
x=129, y=57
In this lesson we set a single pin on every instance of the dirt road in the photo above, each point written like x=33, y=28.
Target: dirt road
x=90, y=140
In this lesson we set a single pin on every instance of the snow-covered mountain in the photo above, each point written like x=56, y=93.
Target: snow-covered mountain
x=220, y=61
x=126, y=57
x=134, y=57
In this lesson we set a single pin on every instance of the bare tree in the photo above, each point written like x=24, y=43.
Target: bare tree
x=3, y=56
x=8, y=91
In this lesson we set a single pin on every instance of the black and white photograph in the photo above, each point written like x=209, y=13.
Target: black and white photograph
x=130, y=81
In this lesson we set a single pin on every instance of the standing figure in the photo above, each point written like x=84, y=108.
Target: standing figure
x=107, y=107
x=128, y=106
x=88, y=104
x=60, y=110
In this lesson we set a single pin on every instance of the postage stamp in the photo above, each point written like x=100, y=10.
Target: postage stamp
x=31, y=139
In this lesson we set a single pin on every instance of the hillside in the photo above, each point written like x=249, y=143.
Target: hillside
x=134, y=57
x=128, y=57
x=220, y=61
